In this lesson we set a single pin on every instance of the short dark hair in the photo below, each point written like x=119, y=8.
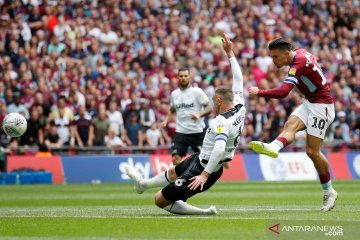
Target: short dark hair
x=280, y=43
x=62, y=97
x=225, y=93
x=184, y=69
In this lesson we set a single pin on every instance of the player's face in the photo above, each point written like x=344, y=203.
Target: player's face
x=184, y=79
x=280, y=57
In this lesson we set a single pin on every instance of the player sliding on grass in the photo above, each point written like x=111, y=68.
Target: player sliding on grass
x=200, y=171
x=315, y=114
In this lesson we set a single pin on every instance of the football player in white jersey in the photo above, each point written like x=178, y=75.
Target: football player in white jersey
x=190, y=104
x=200, y=171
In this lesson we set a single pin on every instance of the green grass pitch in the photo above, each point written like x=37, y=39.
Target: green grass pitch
x=115, y=211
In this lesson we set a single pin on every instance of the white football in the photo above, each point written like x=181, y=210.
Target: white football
x=14, y=124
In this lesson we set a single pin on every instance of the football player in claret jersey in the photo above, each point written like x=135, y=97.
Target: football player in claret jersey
x=315, y=114
x=200, y=171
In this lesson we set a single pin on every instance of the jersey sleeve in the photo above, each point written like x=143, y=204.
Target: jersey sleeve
x=220, y=130
x=201, y=97
x=221, y=137
x=172, y=104
x=238, y=82
x=294, y=72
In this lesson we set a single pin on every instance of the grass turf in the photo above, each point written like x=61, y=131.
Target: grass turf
x=105, y=211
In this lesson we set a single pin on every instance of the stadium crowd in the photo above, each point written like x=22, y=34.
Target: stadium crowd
x=100, y=73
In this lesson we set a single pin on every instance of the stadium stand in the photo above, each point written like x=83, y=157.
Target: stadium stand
x=60, y=61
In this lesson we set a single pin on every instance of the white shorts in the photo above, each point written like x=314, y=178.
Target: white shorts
x=317, y=117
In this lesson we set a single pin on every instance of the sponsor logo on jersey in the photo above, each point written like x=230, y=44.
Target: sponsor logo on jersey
x=292, y=71
x=184, y=105
x=219, y=129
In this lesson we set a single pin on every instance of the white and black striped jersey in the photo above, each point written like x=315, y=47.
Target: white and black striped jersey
x=185, y=102
x=226, y=127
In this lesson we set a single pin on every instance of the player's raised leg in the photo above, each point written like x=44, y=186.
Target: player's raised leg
x=287, y=136
x=313, y=145
x=160, y=180
x=181, y=207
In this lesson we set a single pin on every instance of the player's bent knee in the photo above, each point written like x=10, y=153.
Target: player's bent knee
x=160, y=201
x=172, y=174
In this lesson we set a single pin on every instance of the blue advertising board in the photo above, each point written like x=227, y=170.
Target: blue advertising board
x=104, y=169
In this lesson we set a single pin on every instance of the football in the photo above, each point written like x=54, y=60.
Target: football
x=14, y=124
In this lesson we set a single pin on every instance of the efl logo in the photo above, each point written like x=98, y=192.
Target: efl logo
x=275, y=228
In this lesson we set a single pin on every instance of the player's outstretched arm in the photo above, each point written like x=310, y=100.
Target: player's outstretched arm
x=238, y=82
x=279, y=92
x=216, y=154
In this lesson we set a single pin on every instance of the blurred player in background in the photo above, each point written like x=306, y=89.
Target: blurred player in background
x=190, y=104
x=315, y=114
x=200, y=171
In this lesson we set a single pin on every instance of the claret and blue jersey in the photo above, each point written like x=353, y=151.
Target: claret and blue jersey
x=306, y=74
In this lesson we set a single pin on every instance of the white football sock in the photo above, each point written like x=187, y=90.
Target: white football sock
x=181, y=207
x=277, y=145
x=160, y=180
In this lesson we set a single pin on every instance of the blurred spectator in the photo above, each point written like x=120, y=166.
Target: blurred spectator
x=101, y=125
x=133, y=131
x=154, y=136
x=83, y=128
x=63, y=127
x=276, y=120
x=116, y=120
x=61, y=105
x=52, y=139
x=263, y=60
x=258, y=119
x=340, y=129
x=56, y=46
x=61, y=29
x=108, y=38
x=4, y=139
x=337, y=138
x=355, y=133
x=34, y=134
x=111, y=140
x=17, y=106
x=147, y=114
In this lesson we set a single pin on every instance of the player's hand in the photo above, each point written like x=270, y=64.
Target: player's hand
x=163, y=124
x=195, y=116
x=198, y=181
x=253, y=91
x=227, y=44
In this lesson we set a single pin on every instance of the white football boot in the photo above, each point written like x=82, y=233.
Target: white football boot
x=264, y=148
x=131, y=172
x=329, y=199
x=211, y=211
